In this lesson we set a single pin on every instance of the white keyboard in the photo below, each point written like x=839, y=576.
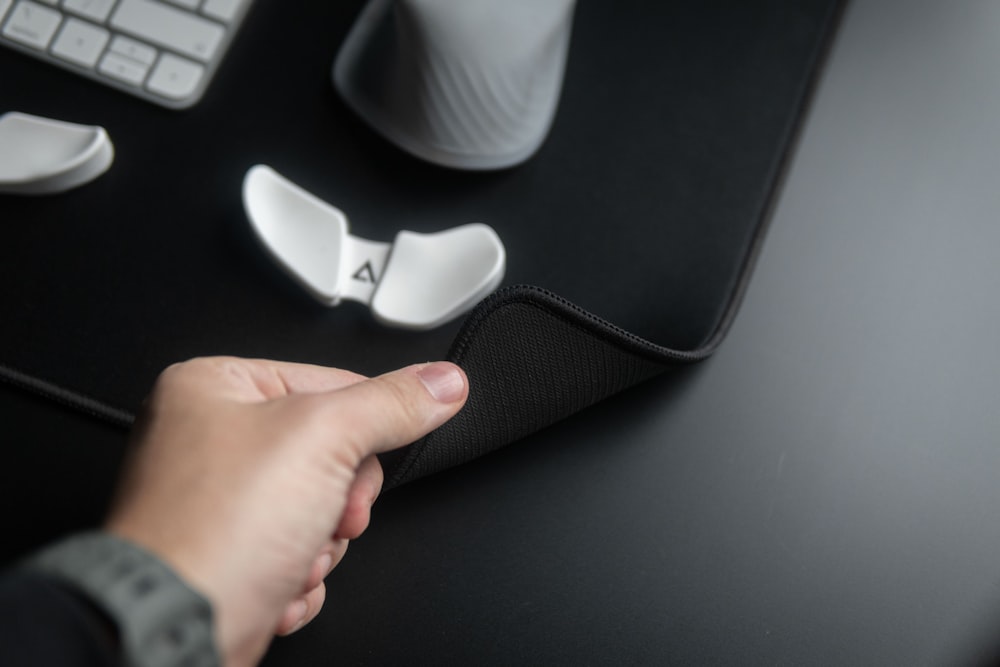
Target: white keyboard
x=165, y=52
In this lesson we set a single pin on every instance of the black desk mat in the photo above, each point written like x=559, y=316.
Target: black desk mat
x=630, y=235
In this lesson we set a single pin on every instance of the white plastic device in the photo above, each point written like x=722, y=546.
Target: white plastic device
x=419, y=281
x=41, y=155
x=468, y=84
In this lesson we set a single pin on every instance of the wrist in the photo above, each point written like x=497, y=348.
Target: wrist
x=160, y=620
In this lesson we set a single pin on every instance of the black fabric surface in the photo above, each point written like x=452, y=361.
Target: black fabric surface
x=537, y=359
x=644, y=207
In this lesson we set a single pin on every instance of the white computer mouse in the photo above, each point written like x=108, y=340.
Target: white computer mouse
x=419, y=281
x=469, y=84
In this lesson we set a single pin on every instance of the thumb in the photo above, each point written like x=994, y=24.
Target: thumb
x=397, y=408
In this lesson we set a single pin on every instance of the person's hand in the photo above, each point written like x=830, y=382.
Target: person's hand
x=249, y=477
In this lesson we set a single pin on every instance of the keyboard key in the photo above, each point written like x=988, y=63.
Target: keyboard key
x=97, y=10
x=135, y=50
x=32, y=24
x=169, y=27
x=80, y=42
x=163, y=51
x=122, y=68
x=224, y=10
x=175, y=77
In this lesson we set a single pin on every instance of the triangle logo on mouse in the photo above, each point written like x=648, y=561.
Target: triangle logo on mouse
x=365, y=274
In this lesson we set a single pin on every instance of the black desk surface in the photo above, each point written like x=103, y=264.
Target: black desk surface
x=822, y=491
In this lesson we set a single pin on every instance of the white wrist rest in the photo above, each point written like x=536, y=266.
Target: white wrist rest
x=42, y=156
x=419, y=281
